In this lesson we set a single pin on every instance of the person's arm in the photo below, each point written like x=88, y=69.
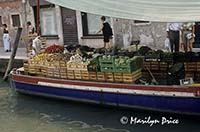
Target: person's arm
x=193, y=30
x=100, y=29
x=167, y=30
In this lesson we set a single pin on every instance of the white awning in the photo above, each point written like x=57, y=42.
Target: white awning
x=147, y=10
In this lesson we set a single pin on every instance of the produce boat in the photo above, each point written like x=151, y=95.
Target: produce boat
x=176, y=99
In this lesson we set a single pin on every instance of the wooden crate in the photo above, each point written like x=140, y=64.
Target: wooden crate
x=198, y=66
x=93, y=76
x=81, y=67
x=190, y=66
x=70, y=74
x=77, y=74
x=63, y=69
x=197, y=77
x=26, y=67
x=85, y=75
x=101, y=76
x=155, y=65
x=62, y=64
x=118, y=77
x=163, y=66
x=50, y=74
x=109, y=76
x=190, y=75
x=132, y=77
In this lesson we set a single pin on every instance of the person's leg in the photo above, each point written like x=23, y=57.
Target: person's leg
x=106, y=41
x=190, y=44
x=4, y=43
x=171, y=39
x=177, y=40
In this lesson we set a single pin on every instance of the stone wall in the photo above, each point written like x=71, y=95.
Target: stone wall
x=151, y=34
x=11, y=7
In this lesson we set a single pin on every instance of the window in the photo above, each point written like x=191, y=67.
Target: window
x=141, y=22
x=48, y=22
x=1, y=24
x=16, y=20
x=91, y=23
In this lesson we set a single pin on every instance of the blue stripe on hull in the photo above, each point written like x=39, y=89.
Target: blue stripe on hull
x=176, y=104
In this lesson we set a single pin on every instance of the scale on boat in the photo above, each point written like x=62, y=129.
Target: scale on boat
x=186, y=81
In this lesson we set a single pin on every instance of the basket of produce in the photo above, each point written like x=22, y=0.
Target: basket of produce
x=107, y=63
x=77, y=62
x=153, y=55
x=167, y=57
x=128, y=65
x=54, y=49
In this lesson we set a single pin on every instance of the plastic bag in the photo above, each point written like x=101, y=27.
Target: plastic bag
x=167, y=44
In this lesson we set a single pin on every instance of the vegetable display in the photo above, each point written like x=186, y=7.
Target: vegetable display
x=54, y=49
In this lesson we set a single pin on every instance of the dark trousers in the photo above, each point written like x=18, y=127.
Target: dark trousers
x=174, y=38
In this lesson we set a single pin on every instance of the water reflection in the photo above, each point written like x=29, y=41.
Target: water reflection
x=20, y=113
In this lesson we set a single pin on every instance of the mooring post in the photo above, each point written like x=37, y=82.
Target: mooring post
x=13, y=54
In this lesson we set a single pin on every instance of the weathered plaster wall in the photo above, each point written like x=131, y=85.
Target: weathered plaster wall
x=9, y=8
x=152, y=34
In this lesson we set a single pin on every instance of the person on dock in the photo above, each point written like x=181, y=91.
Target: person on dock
x=31, y=34
x=6, y=39
x=107, y=32
x=187, y=36
x=30, y=28
x=173, y=33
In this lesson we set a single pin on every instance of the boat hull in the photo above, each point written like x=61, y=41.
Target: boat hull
x=182, y=104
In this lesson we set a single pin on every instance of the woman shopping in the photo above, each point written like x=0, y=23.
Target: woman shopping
x=6, y=39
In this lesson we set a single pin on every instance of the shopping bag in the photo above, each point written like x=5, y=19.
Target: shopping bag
x=167, y=44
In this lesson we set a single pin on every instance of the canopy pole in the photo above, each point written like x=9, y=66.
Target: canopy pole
x=38, y=17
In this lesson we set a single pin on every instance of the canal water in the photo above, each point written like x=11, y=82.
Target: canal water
x=21, y=113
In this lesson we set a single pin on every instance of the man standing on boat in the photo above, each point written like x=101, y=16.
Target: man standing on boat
x=107, y=32
x=173, y=33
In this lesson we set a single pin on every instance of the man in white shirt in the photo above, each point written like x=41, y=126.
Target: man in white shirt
x=173, y=33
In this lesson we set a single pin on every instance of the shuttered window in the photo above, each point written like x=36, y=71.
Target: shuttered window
x=16, y=20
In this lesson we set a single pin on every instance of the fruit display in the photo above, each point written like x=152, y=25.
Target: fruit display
x=77, y=62
x=54, y=49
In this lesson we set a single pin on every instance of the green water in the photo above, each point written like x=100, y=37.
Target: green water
x=20, y=113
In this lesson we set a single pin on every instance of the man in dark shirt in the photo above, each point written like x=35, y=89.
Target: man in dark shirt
x=107, y=32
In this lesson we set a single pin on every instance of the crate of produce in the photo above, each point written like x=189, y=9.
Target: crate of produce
x=94, y=66
x=132, y=77
x=85, y=75
x=118, y=77
x=109, y=77
x=167, y=57
x=128, y=65
x=93, y=76
x=101, y=76
x=107, y=63
x=153, y=55
x=70, y=74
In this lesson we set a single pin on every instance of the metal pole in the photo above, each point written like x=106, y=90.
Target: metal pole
x=38, y=17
